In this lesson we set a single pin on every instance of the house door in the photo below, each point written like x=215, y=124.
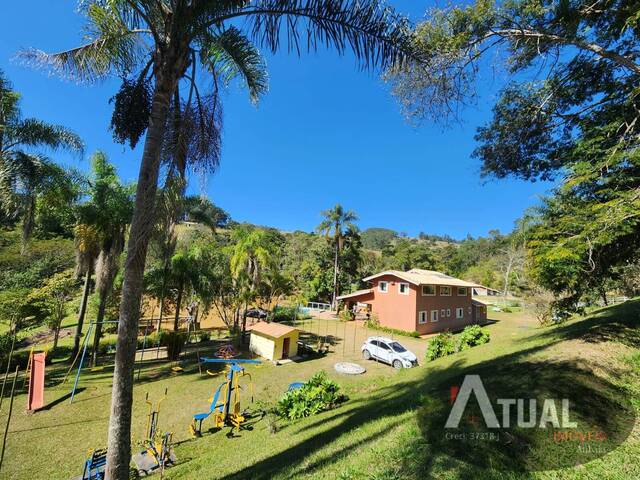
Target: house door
x=285, y=348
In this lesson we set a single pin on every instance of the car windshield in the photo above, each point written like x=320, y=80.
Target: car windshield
x=398, y=348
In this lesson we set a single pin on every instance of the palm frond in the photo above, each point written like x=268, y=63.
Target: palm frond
x=36, y=133
x=113, y=46
x=231, y=54
x=373, y=31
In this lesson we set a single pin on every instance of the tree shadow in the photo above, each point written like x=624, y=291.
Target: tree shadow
x=619, y=323
x=596, y=405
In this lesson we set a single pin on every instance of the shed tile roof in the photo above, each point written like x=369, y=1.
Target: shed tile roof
x=424, y=277
x=355, y=294
x=273, y=329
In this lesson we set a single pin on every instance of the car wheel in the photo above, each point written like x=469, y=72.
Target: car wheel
x=366, y=354
x=397, y=364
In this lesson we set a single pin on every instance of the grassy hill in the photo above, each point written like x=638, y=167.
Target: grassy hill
x=385, y=430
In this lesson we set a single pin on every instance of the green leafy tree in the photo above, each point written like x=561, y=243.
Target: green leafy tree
x=336, y=221
x=202, y=210
x=377, y=238
x=52, y=300
x=579, y=118
x=405, y=254
x=165, y=42
x=27, y=175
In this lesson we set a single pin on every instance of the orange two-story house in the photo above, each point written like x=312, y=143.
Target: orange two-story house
x=423, y=301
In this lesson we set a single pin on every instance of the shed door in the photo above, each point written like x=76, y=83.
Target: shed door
x=285, y=347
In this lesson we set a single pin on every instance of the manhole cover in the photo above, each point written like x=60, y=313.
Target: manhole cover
x=349, y=368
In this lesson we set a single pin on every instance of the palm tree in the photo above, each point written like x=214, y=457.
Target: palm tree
x=253, y=258
x=106, y=214
x=87, y=246
x=336, y=223
x=170, y=41
x=25, y=171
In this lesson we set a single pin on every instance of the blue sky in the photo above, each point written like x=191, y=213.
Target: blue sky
x=325, y=133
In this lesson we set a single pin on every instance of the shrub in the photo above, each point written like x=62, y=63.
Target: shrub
x=315, y=396
x=440, y=346
x=374, y=324
x=204, y=335
x=6, y=340
x=471, y=336
x=174, y=341
x=283, y=314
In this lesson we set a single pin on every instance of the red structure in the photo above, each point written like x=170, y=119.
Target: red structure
x=35, y=399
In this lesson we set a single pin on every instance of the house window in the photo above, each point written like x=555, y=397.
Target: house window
x=442, y=313
x=422, y=317
x=434, y=315
x=448, y=312
x=383, y=287
x=459, y=312
x=428, y=290
x=445, y=291
x=462, y=291
x=403, y=288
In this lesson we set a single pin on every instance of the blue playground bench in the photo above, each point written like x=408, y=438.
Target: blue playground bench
x=95, y=465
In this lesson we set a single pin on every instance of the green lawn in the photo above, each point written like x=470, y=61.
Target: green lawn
x=381, y=432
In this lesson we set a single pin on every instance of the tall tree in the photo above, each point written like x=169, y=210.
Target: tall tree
x=578, y=118
x=253, y=260
x=166, y=39
x=336, y=221
x=87, y=248
x=106, y=213
x=25, y=171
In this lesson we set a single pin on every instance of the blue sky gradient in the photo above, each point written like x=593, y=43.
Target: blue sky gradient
x=326, y=132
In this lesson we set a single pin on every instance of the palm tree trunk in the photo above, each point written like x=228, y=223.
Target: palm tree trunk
x=81, y=313
x=119, y=440
x=98, y=331
x=335, y=276
x=28, y=221
x=176, y=319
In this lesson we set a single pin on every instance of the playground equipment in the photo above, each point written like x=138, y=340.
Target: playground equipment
x=94, y=465
x=225, y=403
x=84, y=352
x=158, y=453
x=35, y=374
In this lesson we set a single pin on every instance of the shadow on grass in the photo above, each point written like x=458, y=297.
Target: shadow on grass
x=596, y=405
x=619, y=323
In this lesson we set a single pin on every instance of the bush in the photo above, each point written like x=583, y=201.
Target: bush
x=471, y=336
x=6, y=340
x=374, y=324
x=440, y=346
x=284, y=314
x=174, y=341
x=204, y=335
x=315, y=396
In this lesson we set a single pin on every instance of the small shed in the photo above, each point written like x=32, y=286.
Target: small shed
x=479, y=311
x=274, y=341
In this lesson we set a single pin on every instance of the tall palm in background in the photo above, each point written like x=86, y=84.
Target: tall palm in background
x=253, y=259
x=87, y=248
x=337, y=221
x=26, y=173
x=167, y=41
x=106, y=213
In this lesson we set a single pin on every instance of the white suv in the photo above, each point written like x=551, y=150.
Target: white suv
x=388, y=351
